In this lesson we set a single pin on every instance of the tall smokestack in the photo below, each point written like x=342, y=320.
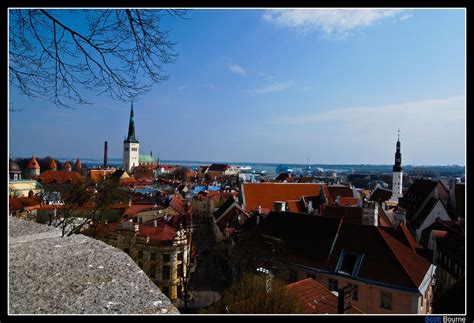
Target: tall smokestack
x=105, y=154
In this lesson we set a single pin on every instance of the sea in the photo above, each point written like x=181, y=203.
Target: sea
x=273, y=168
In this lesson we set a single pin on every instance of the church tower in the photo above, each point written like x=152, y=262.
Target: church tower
x=397, y=175
x=130, y=147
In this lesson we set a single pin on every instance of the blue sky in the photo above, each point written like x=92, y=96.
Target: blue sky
x=281, y=86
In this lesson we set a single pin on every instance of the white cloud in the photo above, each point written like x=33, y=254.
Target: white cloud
x=237, y=69
x=331, y=22
x=431, y=131
x=275, y=86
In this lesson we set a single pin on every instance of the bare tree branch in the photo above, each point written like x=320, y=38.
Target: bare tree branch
x=120, y=53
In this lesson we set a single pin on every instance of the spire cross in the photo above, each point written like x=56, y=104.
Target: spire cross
x=398, y=134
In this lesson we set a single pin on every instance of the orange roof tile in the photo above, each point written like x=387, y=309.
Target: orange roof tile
x=98, y=174
x=316, y=298
x=18, y=203
x=264, y=194
x=348, y=201
x=67, y=165
x=53, y=164
x=33, y=164
x=78, y=164
x=414, y=265
x=59, y=176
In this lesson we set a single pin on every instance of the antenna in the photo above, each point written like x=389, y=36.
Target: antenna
x=398, y=134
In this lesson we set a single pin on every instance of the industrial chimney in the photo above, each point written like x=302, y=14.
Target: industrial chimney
x=105, y=154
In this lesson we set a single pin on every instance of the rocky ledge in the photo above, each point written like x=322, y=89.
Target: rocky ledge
x=49, y=274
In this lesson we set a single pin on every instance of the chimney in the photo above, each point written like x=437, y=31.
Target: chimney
x=344, y=300
x=310, y=206
x=105, y=154
x=258, y=218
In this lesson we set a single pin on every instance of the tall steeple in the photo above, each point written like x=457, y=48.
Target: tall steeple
x=397, y=167
x=131, y=129
x=397, y=175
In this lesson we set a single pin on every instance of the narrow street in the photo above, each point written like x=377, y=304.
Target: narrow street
x=207, y=282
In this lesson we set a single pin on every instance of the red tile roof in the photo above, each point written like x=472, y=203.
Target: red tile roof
x=385, y=258
x=316, y=298
x=53, y=164
x=98, y=174
x=33, y=164
x=18, y=203
x=384, y=221
x=78, y=164
x=67, y=165
x=59, y=176
x=160, y=233
x=264, y=194
x=414, y=265
x=348, y=201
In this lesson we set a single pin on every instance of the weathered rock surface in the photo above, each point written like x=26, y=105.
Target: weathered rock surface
x=75, y=275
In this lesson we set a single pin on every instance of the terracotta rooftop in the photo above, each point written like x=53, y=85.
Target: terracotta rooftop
x=18, y=203
x=316, y=298
x=59, y=177
x=53, y=164
x=67, y=165
x=385, y=258
x=78, y=164
x=264, y=194
x=33, y=164
x=348, y=201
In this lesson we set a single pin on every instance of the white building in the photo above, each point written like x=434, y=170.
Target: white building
x=131, y=147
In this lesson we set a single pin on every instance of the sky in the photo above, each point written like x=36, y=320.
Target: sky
x=281, y=86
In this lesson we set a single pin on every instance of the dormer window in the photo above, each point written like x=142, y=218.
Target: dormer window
x=349, y=263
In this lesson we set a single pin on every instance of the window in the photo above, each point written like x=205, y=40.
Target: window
x=332, y=283
x=127, y=251
x=153, y=256
x=166, y=257
x=386, y=300
x=152, y=271
x=349, y=263
x=126, y=148
x=166, y=272
x=140, y=254
x=166, y=291
x=355, y=292
x=180, y=256
x=180, y=270
x=293, y=276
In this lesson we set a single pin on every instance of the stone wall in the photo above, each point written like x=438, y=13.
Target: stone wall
x=75, y=275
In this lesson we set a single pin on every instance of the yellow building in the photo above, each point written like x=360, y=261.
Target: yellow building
x=160, y=250
x=23, y=187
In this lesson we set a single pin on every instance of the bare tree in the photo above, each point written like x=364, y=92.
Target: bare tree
x=256, y=294
x=83, y=203
x=57, y=54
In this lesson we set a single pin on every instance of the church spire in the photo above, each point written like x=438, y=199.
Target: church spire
x=131, y=128
x=397, y=167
